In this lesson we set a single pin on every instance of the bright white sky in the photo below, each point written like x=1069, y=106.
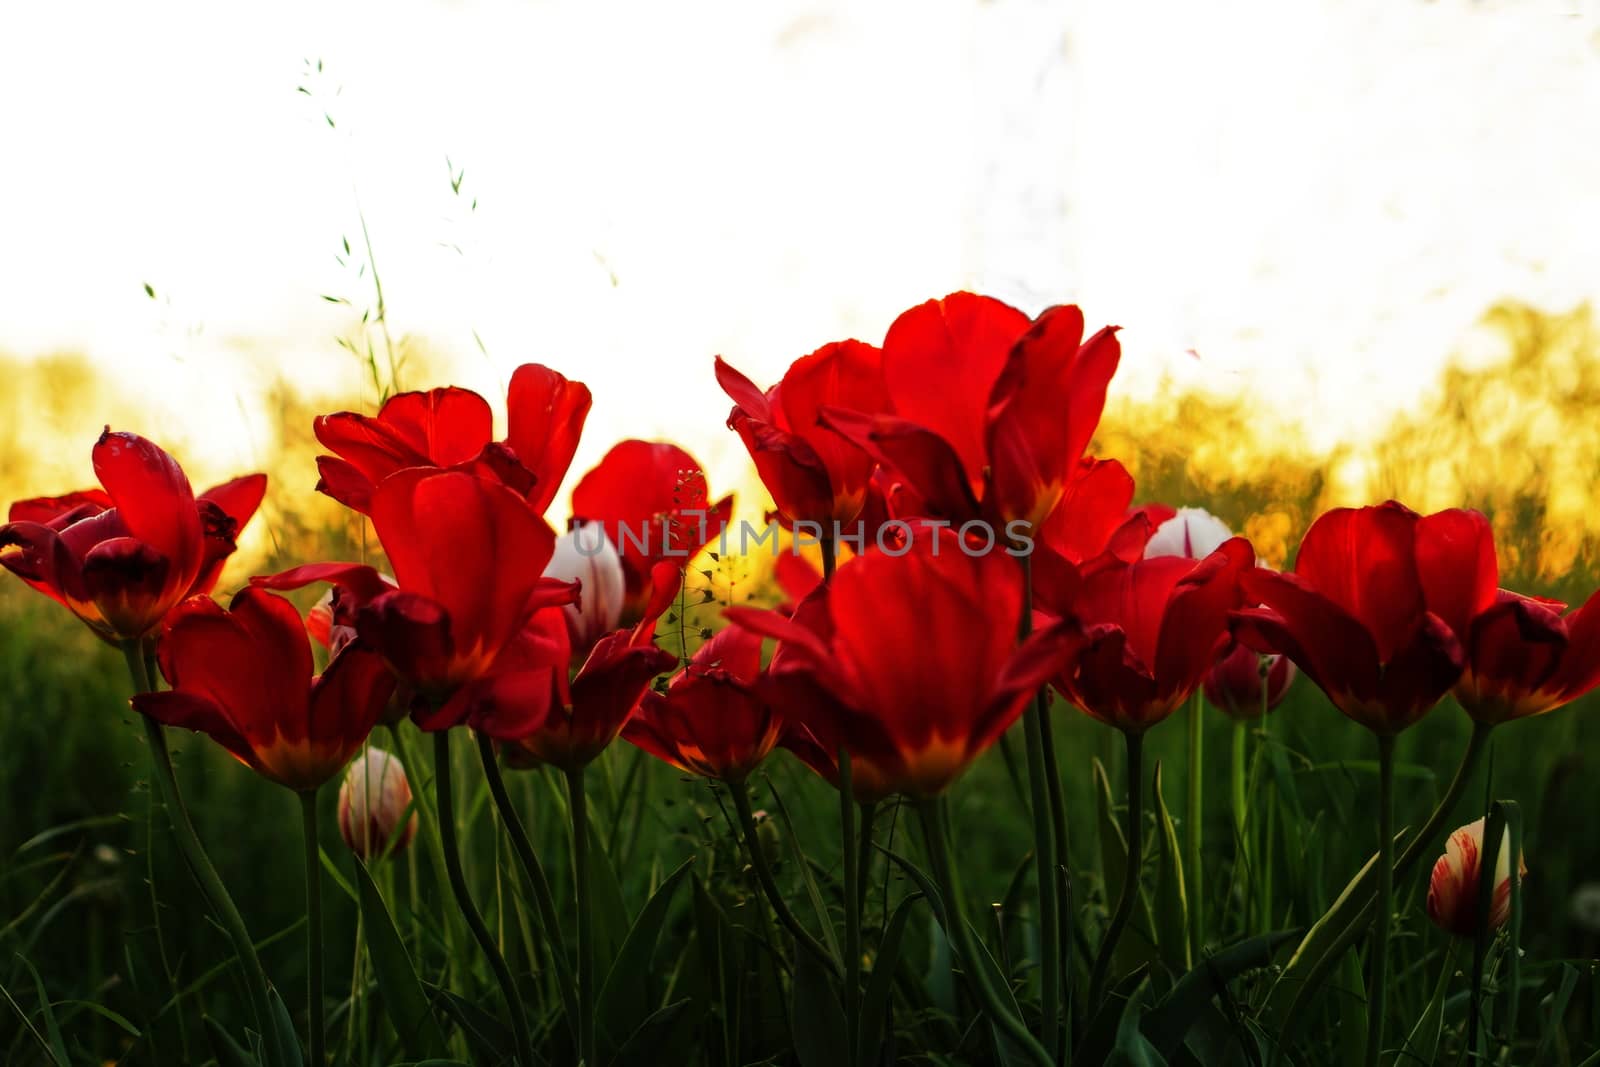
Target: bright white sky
x=1318, y=199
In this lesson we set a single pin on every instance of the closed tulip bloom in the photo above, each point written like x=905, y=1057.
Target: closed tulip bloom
x=468, y=554
x=121, y=557
x=1453, y=887
x=244, y=677
x=1523, y=655
x=373, y=799
x=712, y=720
x=1154, y=627
x=989, y=411
x=1193, y=533
x=1233, y=683
x=812, y=472
x=917, y=655
x=452, y=428
x=1354, y=618
x=650, y=498
x=586, y=555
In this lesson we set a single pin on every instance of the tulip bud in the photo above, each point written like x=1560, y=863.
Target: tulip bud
x=372, y=799
x=1453, y=889
x=587, y=555
x=1193, y=533
x=1233, y=683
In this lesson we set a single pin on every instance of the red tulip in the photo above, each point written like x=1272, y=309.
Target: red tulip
x=990, y=412
x=121, y=558
x=1353, y=616
x=812, y=473
x=1523, y=656
x=651, y=500
x=1233, y=682
x=453, y=428
x=1154, y=627
x=244, y=677
x=578, y=718
x=1092, y=522
x=468, y=554
x=711, y=721
x=917, y=656
x=1453, y=887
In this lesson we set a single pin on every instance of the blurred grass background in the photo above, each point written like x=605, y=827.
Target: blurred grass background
x=1513, y=435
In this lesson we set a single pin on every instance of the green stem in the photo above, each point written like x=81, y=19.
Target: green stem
x=1299, y=1006
x=935, y=829
x=852, y=907
x=316, y=1027
x=430, y=834
x=469, y=910
x=1196, y=825
x=830, y=561
x=867, y=810
x=1130, y=876
x=1046, y=827
x=1377, y=1002
x=538, y=885
x=1236, y=767
x=578, y=802
x=769, y=886
x=200, y=865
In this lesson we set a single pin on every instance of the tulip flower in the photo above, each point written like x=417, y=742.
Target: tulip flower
x=468, y=554
x=1233, y=683
x=1154, y=627
x=1453, y=887
x=650, y=499
x=373, y=799
x=586, y=555
x=1092, y=521
x=921, y=649
x=1353, y=615
x=579, y=718
x=812, y=472
x=989, y=411
x=122, y=557
x=712, y=720
x=244, y=678
x=453, y=428
x=1524, y=656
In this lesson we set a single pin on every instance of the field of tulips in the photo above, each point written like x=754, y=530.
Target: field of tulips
x=960, y=756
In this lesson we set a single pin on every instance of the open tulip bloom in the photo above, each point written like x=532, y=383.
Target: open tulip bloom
x=452, y=428
x=121, y=557
x=988, y=411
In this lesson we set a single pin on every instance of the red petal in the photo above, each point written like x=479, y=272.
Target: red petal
x=919, y=455
x=751, y=401
x=1333, y=649
x=154, y=501
x=940, y=363
x=1363, y=560
x=546, y=413
x=1092, y=509
x=1195, y=625
x=1457, y=567
x=52, y=510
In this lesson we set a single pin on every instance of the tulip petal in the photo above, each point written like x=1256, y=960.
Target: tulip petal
x=545, y=417
x=1332, y=648
x=154, y=502
x=1421, y=672
x=1363, y=560
x=927, y=461
x=1457, y=567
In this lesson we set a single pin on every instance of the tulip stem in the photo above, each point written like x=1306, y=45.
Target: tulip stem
x=578, y=802
x=315, y=1025
x=538, y=884
x=1299, y=1006
x=1376, y=1003
x=200, y=865
x=469, y=910
x=852, y=907
x=430, y=835
x=1049, y=835
x=1130, y=875
x=758, y=860
x=1196, y=825
x=935, y=829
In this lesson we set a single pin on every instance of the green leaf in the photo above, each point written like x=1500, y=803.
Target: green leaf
x=52, y=1029
x=645, y=1043
x=624, y=1000
x=1132, y=1048
x=1136, y=946
x=610, y=910
x=798, y=857
x=1422, y=1044
x=229, y=1053
x=1102, y=1033
x=283, y=1029
x=819, y=1025
x=1172, y=896
x=1352, y=994
x=875, y=1002
x=1168, y=1023
x=1558, y=1012
x=403, y=997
